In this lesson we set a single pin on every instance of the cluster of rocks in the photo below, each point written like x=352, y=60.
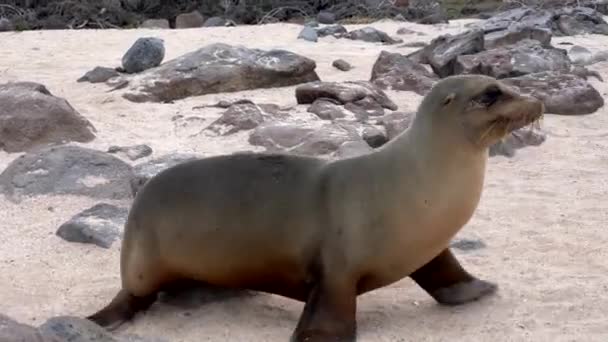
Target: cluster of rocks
x=193, y=19
x=311, y=32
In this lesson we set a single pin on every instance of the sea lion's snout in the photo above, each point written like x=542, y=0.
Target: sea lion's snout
x=522, y=111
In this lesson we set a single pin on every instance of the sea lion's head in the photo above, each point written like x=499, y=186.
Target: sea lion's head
x=485, y=108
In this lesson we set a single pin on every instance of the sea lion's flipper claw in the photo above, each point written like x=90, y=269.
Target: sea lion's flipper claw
x=328, y=315
x=444, y=279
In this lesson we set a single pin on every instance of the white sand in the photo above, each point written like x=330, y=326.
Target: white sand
x=543, y=214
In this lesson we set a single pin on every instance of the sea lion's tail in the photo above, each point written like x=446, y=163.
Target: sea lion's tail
x=121, y=309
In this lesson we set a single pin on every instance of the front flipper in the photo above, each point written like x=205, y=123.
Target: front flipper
x=329, y=314
x=444, y=279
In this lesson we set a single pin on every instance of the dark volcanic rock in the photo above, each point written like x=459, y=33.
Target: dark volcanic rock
x=395, y=123
x=66, y=170
x=467, y=244
x=518, y=139
x=345, y=92
x=374, y=136
x=132, y=152
x=525, y=57
x=291, y=138
x=13, y=331
x=76, y=329
x=442, y=52
x=189, y=20
x=6, y=25
x=215, y=21
x=562, y=93
x=100, y=225
x=370, y=34
x=342, y=65
x=325, y=17
x=327, y=109
x=220, y=68
x=145, y=53
x=351, y=149
x=144, y=171
x=333, y=30
x=98, y=75
x=309, y=34
x=243, y=116
x=398, y=72
x=365, y=108
x=155, y=24
x=30, y=116
x=516, y=33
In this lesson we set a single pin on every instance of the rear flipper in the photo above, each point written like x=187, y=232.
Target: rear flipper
x=121, y=309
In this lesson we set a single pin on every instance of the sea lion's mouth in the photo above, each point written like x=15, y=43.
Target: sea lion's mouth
x=522, y=115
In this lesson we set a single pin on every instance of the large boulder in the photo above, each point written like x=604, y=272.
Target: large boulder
x=220, y=68
x=562, y=93
x=66, y=170
x=244, y=116
x=525, y=57
x=30, y=116
x=344, y=92
x=516, y=33
x=101, y=225
x=398, y=72
x=145, y=53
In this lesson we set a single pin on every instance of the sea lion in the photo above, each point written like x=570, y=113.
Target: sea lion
x=320, y=231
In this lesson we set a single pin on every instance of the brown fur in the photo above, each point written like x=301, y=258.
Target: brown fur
x=325, y=232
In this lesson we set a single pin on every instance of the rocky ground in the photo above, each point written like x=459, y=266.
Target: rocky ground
x=88, y=116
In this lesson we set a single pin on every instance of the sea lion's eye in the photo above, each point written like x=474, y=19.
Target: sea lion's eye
x=489, y=96
x=448, y=99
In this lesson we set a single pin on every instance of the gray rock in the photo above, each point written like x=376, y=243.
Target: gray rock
x=424, y=8
x=395, y=123
x=13, y=331
x=525, y=57
x=309, y=34
x=443, y=51
x=365, y=108
x=31, y=117
x=75, y=329
x=370, y=34
x=6, y=25
x=66, y=170
x=98, y=74
x=562, y=93
x=294, y=139
x=132, y=152
x=325, y=17
x=145, y=53
x=352, y=149
x=144, y=171
x=327, y=109
x=215, y=21
x=333, y=30
x=155, y=24
x=405, y=30
x=398, y=72
x=341, y=65
x=100, y=225
x=580, y=55
x=243, y=116
x=523, y=137
x=219, y=68
x=467, y=244
x=312, y=23
x=189, y=20
x=524, y=16
x=516, y=33
x=414, y=45
x=344, y=92
x=374, y=137
x=585, y=73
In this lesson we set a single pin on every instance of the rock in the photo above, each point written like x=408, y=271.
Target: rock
x=352, y=149
x=309, y=34
x=30, y=117
x=66, y=169
x=395, y=123
x=242, y=116
x=344, y=92
x=215, y=21
x=333, y=30
x=414, y=45
x=467, y=244
x=6, y=25
x=525, y=57
x=189, y=20
x=521, y=16
x=325, y=17
x=13, y=331
x=516, y=33
x=443, y=51
x=370, y=34
x=435, y=18
x=374, y=137
x=98, y=74
x=144, y=171
x=155, y=24
x=312, y=23
x=562, y=93
x=580, y=55
x=571, y=21
x=365, y=108
x=585, y=73
x=100, y=225
x=517, y=140
x=76, y=329
x=132, y=152
x=398, y=72
x=145, y=53
x=405, y=30
x=342, y=65
x=327, y=109
x=424, y=8
x=219, y=68
x=291, y=138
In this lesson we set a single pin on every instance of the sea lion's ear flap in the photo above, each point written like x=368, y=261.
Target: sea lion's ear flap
x=448, y=99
